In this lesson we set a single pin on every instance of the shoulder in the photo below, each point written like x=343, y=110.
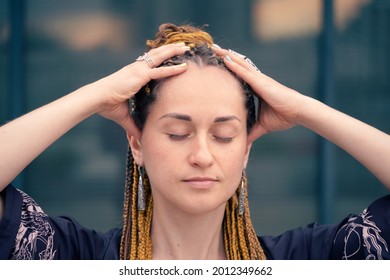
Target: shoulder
x=313, y=241
x=363, y=236
x=10, y=221
x=27, y=232
x=35, y=231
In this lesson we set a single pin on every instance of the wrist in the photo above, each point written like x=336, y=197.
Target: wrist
x=93, y=98
x=309, y=109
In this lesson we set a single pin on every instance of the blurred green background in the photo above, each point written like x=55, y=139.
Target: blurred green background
x=336, y=51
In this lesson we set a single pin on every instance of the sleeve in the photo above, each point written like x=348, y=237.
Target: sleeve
x=26, y=232
x=363, y=236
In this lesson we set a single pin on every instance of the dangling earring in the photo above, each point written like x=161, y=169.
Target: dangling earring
x=141, y=193
x=241, y=198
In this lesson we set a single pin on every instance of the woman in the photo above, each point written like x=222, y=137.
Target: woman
x=185, y=194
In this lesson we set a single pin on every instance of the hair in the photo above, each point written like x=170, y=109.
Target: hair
x=240, y=239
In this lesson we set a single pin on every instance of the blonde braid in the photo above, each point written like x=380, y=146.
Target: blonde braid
x=233, y=229
x=254, y=245
x=227, y=231
x=134, y=217
x=127, y=211
x=243, y=242
x=135, y=241
x=149, y=216
x=141, y=245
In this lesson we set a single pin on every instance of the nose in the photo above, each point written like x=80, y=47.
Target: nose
x=200, y=154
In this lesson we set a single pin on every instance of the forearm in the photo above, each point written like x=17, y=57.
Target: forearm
x=367, y=144
x=23, y=139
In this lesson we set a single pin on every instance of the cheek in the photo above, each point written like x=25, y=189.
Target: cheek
x=160, y=161
x=235, y=154
x=232, y=162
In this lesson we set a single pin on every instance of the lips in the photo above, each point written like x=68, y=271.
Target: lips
x=201, y=182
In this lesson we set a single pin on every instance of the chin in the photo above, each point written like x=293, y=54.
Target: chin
x=203, y=209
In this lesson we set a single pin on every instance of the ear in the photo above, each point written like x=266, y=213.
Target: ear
x=136, y=149
x=246, y=157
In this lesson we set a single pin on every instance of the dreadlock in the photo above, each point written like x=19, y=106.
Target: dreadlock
x=240, y=239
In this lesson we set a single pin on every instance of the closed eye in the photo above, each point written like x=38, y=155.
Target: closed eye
x=177, y=136
x=223, y=139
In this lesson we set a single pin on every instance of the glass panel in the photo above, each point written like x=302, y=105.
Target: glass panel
x=362, y=62
x=72, y=43
x=282, y=170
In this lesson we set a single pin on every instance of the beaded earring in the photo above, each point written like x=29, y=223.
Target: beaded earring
x=241, y=197
x=141, y=205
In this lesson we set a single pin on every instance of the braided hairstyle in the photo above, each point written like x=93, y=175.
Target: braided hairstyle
x=240, y=239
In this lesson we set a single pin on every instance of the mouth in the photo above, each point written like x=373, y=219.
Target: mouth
x=201, y=182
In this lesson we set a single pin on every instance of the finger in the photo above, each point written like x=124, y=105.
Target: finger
x=219, y=51
x=241, y=59
x=159, y=55
x=164, y=72
x=241, y=68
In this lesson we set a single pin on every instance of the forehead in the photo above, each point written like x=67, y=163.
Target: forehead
x=201, y=85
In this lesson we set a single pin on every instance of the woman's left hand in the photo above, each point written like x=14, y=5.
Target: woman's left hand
x=280, y=105
x=282, y=108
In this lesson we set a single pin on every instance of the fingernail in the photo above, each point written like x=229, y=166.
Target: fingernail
x=180, y=43
x=182, y=65
x=228, y=58
x=236, y=53
x=216, y=46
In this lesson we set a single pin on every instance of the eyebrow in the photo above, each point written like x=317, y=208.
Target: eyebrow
x=177, y=116
x=226, y=118
x=188, y=118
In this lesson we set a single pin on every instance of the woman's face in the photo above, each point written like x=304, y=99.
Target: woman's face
x=194, y=142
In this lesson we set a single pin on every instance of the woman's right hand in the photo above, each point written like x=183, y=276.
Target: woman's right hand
x=117, y=88
x=24, y=138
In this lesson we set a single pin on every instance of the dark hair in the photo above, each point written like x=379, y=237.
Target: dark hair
x=201, y=55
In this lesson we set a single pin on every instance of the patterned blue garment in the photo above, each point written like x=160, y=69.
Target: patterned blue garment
x=26, y=232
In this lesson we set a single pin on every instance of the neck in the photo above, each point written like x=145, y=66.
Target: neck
x=187, y=236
